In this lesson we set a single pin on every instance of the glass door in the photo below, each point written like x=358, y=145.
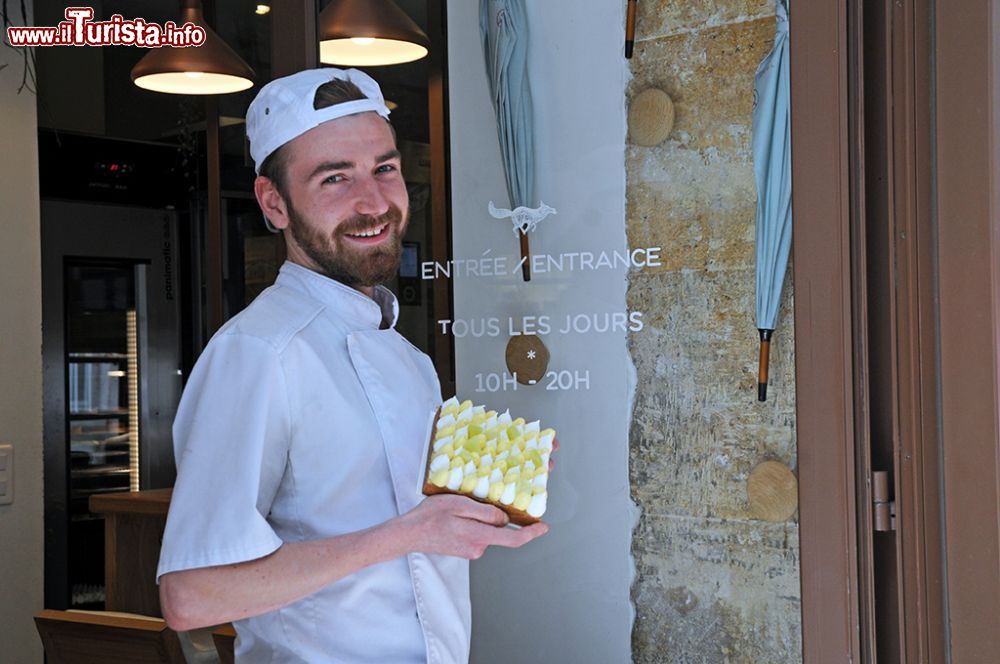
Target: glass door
x=102, y=414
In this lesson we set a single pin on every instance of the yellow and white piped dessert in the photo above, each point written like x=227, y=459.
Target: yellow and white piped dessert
x=490, y=457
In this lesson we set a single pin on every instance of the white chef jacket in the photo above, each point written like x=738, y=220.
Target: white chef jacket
x=302, y=420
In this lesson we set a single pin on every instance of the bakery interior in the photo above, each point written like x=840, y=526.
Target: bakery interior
x=152, y=238
x=846, y=512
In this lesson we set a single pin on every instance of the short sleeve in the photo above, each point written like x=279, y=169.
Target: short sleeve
x=231, y=438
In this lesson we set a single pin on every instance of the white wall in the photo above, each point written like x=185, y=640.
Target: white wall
x=565, y=597
x=20, y=365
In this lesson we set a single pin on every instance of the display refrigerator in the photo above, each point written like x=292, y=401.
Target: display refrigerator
x=112, y=376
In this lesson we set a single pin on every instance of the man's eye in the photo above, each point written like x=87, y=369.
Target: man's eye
x=333, y=179
x=385, y=168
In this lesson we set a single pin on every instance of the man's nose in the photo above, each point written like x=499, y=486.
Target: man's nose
x=370, y=199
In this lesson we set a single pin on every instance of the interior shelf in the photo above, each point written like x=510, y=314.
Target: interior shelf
x=103, y=415
x=100, y=471
x=96, y=357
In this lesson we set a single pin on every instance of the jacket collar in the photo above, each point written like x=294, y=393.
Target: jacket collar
x=379, y=311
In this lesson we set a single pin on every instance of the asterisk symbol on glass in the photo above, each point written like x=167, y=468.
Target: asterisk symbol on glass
x=531, y=354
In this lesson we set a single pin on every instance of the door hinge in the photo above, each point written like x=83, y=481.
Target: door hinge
x=883, y=508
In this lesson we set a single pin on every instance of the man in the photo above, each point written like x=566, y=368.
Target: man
x=296, y=513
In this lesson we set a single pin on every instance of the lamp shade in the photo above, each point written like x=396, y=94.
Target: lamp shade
x=210, y=69
x=369, y=33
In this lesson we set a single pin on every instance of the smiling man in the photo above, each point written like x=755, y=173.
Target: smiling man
x=296, y=512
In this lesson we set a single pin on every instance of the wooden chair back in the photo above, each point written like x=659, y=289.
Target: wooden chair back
x=71, y=637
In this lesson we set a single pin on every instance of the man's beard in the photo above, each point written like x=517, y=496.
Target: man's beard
x=353, y=266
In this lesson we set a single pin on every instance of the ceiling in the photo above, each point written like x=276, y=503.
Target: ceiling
x=89, y=90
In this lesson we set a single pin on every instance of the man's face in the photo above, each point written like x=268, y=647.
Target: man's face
x=346, y=207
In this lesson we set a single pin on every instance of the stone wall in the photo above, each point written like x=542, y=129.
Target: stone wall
x=714, y=583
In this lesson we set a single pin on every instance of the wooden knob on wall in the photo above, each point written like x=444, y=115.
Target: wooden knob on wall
x=773, y=492
x=650, y=117
x=527, y=358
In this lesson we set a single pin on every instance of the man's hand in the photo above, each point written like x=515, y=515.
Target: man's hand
x=459, y=526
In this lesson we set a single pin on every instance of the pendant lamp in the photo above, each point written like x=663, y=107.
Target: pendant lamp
x=369, y=33
x=210, y=69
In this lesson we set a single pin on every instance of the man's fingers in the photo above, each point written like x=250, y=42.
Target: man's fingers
x=513, y=538
x=487, y=514
x=555, y=445
x=465, y=527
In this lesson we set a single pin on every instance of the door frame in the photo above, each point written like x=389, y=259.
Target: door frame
x=821, y=246
x=902, y=572
x=967, y=145
x=946, y=184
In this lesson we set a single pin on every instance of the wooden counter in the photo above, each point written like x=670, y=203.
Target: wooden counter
x=133, y=530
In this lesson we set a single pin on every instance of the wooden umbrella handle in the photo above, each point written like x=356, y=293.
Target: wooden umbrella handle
x=630, y=28
x=762, y=365
x=525, y=257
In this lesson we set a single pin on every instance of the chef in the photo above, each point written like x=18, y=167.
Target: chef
x=296, y=513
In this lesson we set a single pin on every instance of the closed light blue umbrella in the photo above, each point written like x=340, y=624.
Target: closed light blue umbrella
x=504, y=29
x=772, y=164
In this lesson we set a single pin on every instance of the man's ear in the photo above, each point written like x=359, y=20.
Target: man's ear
x=271, y=202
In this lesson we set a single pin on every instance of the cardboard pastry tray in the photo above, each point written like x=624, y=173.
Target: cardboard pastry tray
x=517, y=517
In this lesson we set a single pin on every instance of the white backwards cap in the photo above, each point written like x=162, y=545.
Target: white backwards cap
x=283, y=109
